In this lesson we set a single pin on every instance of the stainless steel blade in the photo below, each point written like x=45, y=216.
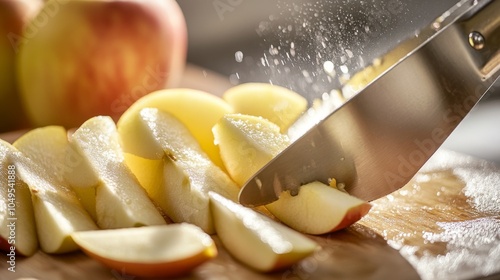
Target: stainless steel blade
x=409, y=103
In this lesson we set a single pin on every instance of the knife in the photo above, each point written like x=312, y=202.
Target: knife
x=404, y=108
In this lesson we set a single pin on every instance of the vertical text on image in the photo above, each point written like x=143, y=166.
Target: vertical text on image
x=11, y=217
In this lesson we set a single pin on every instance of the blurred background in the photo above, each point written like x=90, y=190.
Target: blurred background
x=312, y=46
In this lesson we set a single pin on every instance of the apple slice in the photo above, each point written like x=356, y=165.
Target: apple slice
x=120, y=201
x=255, y=239
x=318, y=209
x=247, y=143
x=199, y=111
x=57, y=211
x=17, y=223
x=154, y=251
x=275, y=103
x=187, y=173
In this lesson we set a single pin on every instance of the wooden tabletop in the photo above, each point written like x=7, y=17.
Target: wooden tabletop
x=444, y=224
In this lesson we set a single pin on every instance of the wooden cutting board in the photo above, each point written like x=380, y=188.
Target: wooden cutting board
x=444, y=224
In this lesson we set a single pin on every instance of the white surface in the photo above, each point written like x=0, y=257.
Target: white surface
x=479, y=133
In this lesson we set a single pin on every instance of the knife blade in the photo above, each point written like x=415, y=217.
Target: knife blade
x=407, y=105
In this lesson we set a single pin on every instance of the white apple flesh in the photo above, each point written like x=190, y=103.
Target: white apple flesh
x=255, y=239
x=119, y=199
x=274, y=103
x=247, y=143
x=154, y=251
x=188, y=173
x=17, y=222
x=199, y=111
x=57, y=210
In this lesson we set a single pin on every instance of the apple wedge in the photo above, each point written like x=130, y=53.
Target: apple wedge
x=275, y=103
x=154, y=251
x=187, y=173
x=256, y=240
x=119, y=199
x=247, y=143
x=199, y=111
x=318, y=209
x=57, y=211
x=17, y=222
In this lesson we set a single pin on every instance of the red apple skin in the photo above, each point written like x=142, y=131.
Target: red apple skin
x=170, y=269
x=298, y=213
x=14, y=14
x=96, y=57
x=353, y=215
x=4, y=245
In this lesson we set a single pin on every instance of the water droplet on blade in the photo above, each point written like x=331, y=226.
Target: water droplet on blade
x=238, y=56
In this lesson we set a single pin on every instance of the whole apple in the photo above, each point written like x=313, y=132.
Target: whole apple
x=14, y=14
x=83, y=58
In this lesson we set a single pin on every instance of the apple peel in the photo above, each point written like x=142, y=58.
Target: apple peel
x=152, y=251
x=318, y=209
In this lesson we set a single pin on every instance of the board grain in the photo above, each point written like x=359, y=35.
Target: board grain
x=444, y=224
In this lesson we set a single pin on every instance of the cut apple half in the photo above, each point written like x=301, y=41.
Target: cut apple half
x=256, y=240
x=153, y=251
x=119, y=199
x=187, y=173
x=199, y=111
x=275, y=103
x=17, y=222
x=318, y=209
x=247, y=143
